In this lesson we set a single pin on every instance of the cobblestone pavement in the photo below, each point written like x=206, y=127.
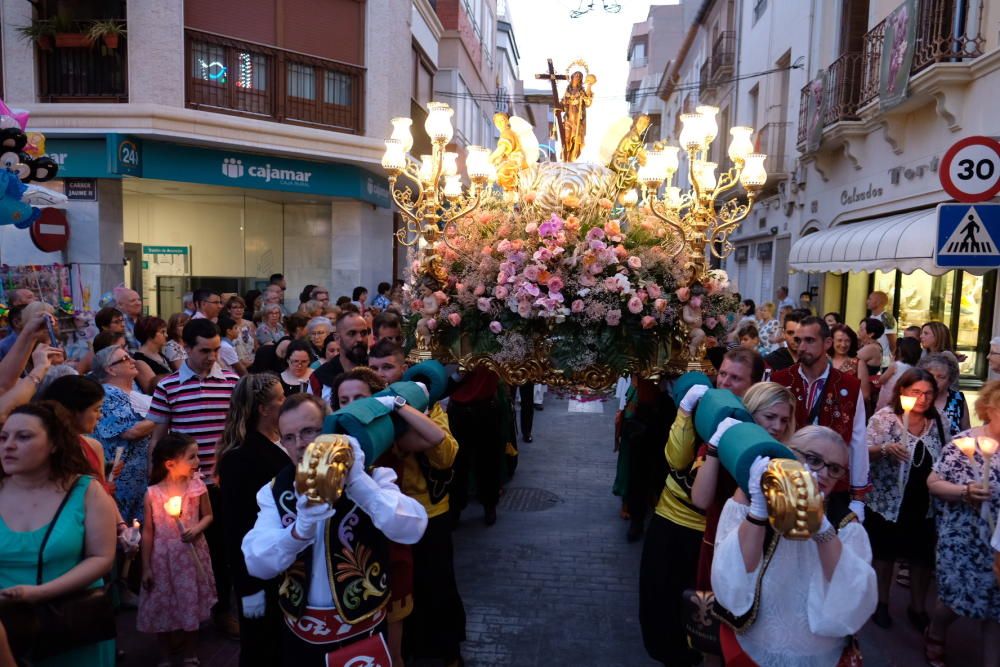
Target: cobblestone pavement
x=559, y=585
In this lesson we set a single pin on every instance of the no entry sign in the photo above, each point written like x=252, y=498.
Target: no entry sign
x=970, y=169
x=51, y=231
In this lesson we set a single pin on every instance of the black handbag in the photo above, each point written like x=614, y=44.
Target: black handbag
x=40, y=630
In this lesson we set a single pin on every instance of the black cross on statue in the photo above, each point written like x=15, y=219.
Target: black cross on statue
x=552, y=77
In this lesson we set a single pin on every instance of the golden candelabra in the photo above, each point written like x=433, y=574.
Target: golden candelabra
x=694, y=214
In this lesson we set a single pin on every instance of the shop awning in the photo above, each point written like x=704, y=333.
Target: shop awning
x=903, y=242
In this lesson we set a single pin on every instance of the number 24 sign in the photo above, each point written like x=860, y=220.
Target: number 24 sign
x=970, y=169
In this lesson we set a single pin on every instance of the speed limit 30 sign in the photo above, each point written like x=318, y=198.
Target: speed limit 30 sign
x=970, y=169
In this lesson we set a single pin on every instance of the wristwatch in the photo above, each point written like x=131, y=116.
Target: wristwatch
x=398, y=403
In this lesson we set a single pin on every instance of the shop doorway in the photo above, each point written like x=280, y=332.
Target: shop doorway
x=170, y=290
x=133, y=267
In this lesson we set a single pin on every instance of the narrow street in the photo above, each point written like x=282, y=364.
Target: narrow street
x=554, y=582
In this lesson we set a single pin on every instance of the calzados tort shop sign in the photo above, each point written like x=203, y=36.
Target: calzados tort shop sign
x=853, y=196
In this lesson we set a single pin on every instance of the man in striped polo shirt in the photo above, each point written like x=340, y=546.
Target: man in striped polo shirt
x=194, y=400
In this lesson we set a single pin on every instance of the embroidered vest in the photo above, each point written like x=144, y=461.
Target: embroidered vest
x=357, y=558
x=838, y=512
x=838, y=401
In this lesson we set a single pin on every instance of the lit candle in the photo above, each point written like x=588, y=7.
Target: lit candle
x=132, y=537
x=174, y=506
x=967, y=445
x=988, y=447
x=114, y=464
x=907, y=403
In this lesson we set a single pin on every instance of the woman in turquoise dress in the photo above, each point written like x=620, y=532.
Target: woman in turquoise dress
x=42, y=464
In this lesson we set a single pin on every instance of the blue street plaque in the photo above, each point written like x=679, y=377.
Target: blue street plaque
x=967, y=236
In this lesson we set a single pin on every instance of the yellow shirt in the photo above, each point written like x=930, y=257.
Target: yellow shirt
x=675, y=500
x=442, y=456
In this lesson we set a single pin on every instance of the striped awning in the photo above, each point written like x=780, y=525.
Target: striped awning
x=903, y=242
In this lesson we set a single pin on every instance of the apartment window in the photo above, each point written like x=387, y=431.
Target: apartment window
x=753, y=99
x=759, y=7
x=638, y=55
x=338, y=89
x=423, y=78
x=301, y=81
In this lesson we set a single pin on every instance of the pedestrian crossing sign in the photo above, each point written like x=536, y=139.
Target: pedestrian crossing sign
x=967, y=236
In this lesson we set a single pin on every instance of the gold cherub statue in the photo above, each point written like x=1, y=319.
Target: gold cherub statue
x=630, y=154
x=517, y=149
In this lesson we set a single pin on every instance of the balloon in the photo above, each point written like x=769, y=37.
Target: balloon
x=13, y=211
x=36, y=144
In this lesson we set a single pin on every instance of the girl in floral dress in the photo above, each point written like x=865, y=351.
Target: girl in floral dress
x=178, y=590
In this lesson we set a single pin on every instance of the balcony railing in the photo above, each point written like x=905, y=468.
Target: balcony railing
x=843, y=88
x=941, y=37
x=704, y=78
x=723, y=55
x=91, y=73
x=231, y=76
x=773, y=142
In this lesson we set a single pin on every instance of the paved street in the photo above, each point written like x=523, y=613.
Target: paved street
x=558, y=586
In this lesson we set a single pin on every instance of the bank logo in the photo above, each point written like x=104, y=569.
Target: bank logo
x=232, y=167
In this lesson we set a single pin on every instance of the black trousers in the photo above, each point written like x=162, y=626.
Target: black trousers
x=217, y=551
x=476, y=427
x=668, y=567
x=436, y=628
x=260, y=638
x=527, y=393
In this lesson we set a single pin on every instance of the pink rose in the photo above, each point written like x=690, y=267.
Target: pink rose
x=441, y=297
x=459, y=287
x=620, y=252
x=496, y=327
x=648, y=322
x=635, y=305
x=643, y=295
x=531, y=272
x=431, y=323
x=611, y=284
x=597, y=268
x=634, y=262
x=530, y=228
x=416, y=305
x=483, y=304
x=555, y=284
x=613, y=318
x=454, y=319
x=503, y=246
x=696, y=302
x=587, y=280
x=654, y=291
x=683, y=293
x=487, y=250
x=577, y=306
x=479, y=290
x=660, y=305
x=524, y=308
x=501, y=292
x=711, y=322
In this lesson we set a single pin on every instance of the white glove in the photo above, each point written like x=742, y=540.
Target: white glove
x=363, y=489
x=358, y=467
x=424, y=389
x=692, y=397
x=720, y=430
x=758, y=502
x=858, y=508
x=253, y=605
x=387, y=401
x=308, y=517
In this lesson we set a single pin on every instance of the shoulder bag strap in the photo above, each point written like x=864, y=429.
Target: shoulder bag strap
x=48, y=531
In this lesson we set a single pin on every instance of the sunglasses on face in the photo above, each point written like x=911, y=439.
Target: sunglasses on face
x=120, y=361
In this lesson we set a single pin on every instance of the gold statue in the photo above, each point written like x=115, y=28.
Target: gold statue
x=630, y=154
x=509, y=157
x=578, y=96
x=322, y=472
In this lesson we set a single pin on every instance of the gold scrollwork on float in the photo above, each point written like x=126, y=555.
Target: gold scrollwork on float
x=794, y=502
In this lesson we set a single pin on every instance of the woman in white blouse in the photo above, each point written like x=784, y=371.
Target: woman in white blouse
x=814, y=594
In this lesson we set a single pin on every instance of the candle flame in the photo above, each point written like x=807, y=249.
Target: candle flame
x=907, y=402
x=967, y=446
x=173, y=506
x=988, y=446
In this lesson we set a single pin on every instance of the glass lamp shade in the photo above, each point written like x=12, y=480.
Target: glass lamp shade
x=654, y=170
x=754, y=175
x=630, y=198
x=449, y=164
x=691, y=131
x=477, y=163
x=438, y=123
x=426, y=168
x=453, y=186
x=401, y=132
x=741, y=144
x=670, y=160
x=394, y=158
x=672, y=196
x=709, y=125
x=704, y=174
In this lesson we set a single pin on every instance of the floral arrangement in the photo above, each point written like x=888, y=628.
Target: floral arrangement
x=591, y=283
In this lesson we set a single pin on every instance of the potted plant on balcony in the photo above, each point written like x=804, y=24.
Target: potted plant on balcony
x=69, y=36
x=109, y=31
x=39, y=31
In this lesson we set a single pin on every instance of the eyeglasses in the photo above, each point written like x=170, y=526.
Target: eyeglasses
x=304, y=436
x=816, y=463
x=121, y=361
x=298, y=361
x=918, y=394
x=214, y=303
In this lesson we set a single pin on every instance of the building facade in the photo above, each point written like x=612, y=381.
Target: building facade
x=215, y=143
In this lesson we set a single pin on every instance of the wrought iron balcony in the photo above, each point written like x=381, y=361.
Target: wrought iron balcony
x=232, y=76
x=704, y=79
x=843, y=85
x=723, y=55
x=91, y=72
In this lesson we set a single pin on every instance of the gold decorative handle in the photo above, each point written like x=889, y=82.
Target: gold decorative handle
x=322, y=472
x=794, y=502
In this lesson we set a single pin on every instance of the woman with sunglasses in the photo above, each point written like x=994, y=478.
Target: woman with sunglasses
x=795, y=603
x=899, y=520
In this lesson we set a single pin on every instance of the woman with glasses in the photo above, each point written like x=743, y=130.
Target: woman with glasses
x=794, y=603
x=122, y=426
x=248, y=457
x=950, y=402
x=899, y=520
x=296, y=378
x=270, y=329
x=317, y=331
x=966, y=507
x=246, y=333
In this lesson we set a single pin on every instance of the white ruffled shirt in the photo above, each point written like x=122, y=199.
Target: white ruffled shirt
x=269, y=548
x=803, y=620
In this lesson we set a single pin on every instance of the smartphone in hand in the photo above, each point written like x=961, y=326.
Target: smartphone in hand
x=53, y=339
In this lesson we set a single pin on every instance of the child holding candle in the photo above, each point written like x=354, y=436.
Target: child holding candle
x=177, y=589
